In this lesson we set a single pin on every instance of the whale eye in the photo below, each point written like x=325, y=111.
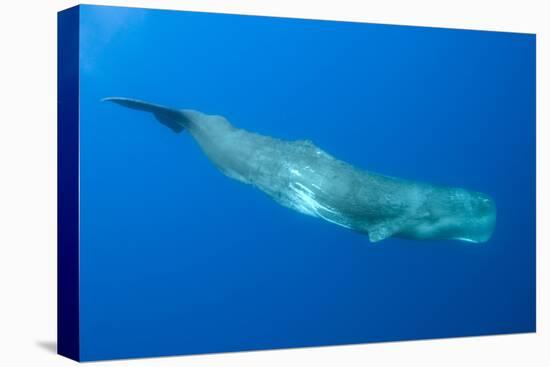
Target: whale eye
x=482, y=207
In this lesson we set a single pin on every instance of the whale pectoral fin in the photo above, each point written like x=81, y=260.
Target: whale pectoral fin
x=383, y=230
x=379, y=233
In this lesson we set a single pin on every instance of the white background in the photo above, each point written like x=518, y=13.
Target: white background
x=28, y=183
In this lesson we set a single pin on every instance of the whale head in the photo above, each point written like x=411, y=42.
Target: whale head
x=463, y=215
x=454, y=213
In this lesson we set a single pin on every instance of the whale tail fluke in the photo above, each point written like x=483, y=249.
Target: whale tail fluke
x=170, y=117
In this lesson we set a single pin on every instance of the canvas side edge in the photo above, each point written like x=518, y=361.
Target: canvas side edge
x=68, y=282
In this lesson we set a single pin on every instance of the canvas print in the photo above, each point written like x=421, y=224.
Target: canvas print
x=232, y=183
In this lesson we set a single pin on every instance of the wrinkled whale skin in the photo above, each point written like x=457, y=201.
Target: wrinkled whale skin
x=301, y=176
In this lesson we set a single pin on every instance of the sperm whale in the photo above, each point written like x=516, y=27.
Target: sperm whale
x=301, y=176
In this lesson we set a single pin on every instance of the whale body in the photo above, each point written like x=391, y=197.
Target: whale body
x=303, y=177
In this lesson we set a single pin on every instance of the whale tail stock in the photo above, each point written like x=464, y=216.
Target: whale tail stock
x=170, y=117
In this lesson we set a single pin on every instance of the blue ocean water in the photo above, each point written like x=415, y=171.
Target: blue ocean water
x=176, y=258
